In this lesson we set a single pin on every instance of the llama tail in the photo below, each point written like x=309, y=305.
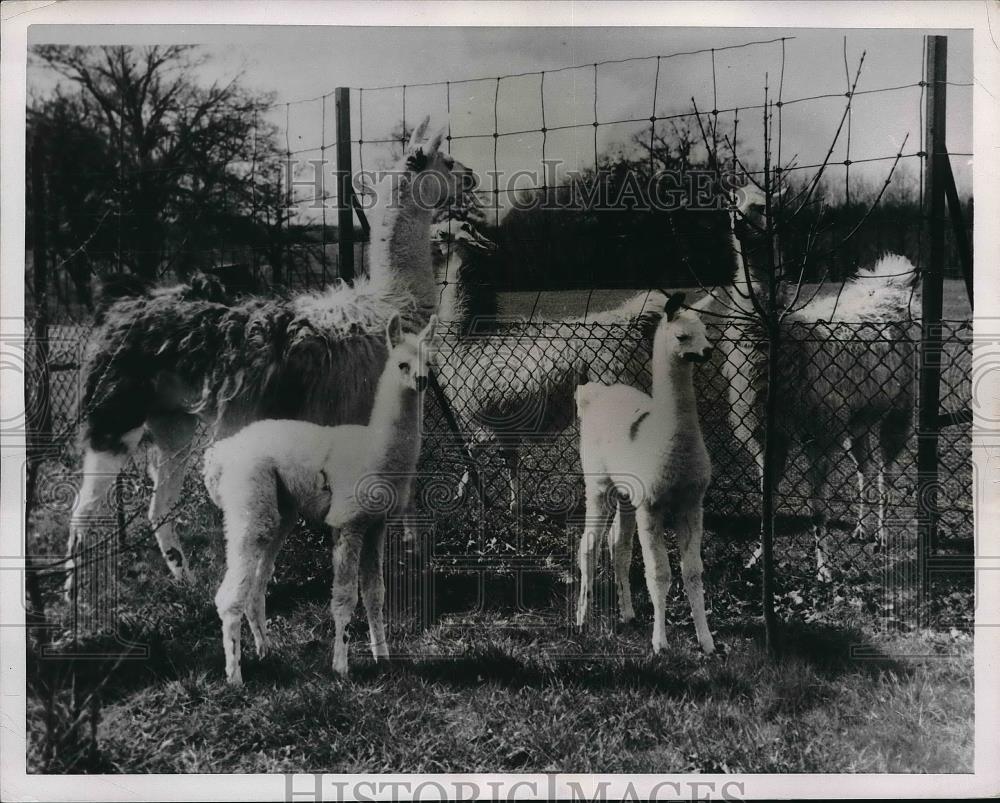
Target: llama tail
x=893, y=273
x=884, y=292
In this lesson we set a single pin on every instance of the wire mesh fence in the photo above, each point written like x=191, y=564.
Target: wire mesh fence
x=511, y=393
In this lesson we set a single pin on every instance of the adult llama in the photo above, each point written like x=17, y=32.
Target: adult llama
x=160, y=362
x=518, y=382
x=847, y=372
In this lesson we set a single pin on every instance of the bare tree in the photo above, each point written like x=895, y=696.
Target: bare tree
x=180, y=165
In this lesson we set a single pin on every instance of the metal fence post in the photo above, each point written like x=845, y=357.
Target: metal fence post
x=345, y=193
x=931, y=303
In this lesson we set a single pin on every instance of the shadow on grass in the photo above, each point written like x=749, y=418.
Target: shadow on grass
x=829, y=650
x=813, y=659
x=512, y=659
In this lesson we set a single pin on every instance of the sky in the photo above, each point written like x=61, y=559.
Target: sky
x=297, y=63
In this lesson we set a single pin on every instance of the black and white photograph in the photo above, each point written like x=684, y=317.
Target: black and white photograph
x=429, y=400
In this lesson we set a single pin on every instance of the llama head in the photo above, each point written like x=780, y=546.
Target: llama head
x=681, y=334
x=438, y=179
x=410, y=355
x=461, y=237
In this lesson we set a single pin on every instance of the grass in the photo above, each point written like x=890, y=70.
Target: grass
x=499, y=689
x=499, y=704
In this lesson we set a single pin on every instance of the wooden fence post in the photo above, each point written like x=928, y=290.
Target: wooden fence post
x=345, y=190
x=931, y=302
x=957, y=216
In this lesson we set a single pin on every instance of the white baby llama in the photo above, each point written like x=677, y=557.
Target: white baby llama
x=646, y=454
x=349, y=477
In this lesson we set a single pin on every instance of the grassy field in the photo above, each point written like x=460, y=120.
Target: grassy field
x=487, y=700
x=500, y=681
x=490, y=676
x=491, y=693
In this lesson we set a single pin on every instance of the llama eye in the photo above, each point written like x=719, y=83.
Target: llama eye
x=683, y=338
x=404, y=367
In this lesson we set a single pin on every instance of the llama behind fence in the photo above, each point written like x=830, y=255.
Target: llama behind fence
x=645, y=456
x=839, y=382
x=160, y=363
x=511, y=386
x=349, y=477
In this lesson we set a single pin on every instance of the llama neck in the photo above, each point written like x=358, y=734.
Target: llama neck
x=395, y=426
x=451, y=306
x=466, y=295
x=400, y=256
x=740, y=276
x=673, y=393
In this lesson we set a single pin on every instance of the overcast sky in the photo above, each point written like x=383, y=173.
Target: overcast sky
x=306, y=62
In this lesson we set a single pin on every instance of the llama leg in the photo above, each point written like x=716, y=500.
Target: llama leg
x=100, y=470
x=511, y=460
x=780, y=457
x=657, y=569
x=860, y=450
x=172, y=435
x=883, y=492
x=620, y=543
x=373, y=589
x=598, y=519
x=894, y=432
x=346, y=553
x=689, y=533
x=255, y=607
x=818, y=508
x=474, y=456
x=242, y=555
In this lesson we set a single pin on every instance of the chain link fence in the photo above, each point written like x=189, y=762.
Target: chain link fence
x=512, y=390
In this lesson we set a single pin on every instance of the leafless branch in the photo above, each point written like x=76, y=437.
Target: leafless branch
x=807, y=192
x=874, y=204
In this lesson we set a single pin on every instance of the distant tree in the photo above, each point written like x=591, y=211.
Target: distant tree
x=148, y=163
x=633, y=236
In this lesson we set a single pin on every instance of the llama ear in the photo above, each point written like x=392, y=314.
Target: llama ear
x=427, y=335
x=418, y=133
x=435, y=143
x=394, y=332
x=673, y=304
